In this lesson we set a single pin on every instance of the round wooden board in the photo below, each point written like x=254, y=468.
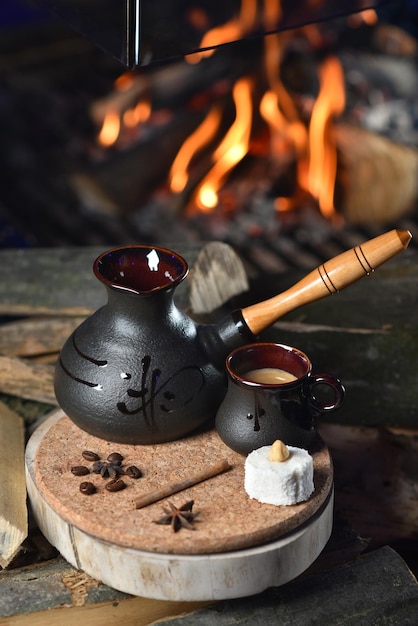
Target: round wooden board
x=234, y=548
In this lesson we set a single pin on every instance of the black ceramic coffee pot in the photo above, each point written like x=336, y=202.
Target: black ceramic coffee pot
x=140, y=371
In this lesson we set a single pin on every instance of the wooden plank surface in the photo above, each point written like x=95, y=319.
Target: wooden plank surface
x=367, y=590
x=367, y=335
x=56, y=594
x=363, y=335
x=377, y=589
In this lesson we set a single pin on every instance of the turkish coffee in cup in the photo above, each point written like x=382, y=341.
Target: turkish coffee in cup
x=273, y=394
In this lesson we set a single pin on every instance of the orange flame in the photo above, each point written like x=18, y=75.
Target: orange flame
x=323, y=156
x=125, y=81
x=137, y=114
x=110, y=129
x=118, y=115
x=367, y=16
x=282, y=131
x=272, y=14
x=231, y=150
x=230, y=31
x=316, y=151
x=313, y=147
x=196, y=141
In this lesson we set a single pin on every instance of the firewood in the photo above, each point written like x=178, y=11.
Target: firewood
x=36, y=336
x=171, y=87
x=26, y=379
x=165, y=86
x=57, y=594
x=393, y=40
x=61, y=282
x=46, y=595
x=118, y=185
x=218, y=274
x=13, y=511
x=377, y=180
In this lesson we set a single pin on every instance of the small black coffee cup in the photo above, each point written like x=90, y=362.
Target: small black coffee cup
x=272, y=394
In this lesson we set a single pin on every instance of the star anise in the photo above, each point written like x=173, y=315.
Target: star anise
x=108, y=469
x=178, y=517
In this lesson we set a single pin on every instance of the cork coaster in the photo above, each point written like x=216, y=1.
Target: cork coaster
x=226, y=518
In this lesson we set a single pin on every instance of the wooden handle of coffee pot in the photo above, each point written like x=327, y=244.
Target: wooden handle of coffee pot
x=328, y=278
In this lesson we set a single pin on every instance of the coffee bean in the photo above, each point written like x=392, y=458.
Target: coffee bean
x=133, y=472
x=115, y=485
x=90, y=456
x=87, y=488
x=80, y=470
x=115, y=457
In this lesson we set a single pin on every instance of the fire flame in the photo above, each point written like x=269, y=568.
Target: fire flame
x=119, y=117
x=231, y=31
x=179, y=176
x=323, y=158
x=137, y=114
x=232, y=148
x=312, y=144
x=314, y=147
x=110, y=129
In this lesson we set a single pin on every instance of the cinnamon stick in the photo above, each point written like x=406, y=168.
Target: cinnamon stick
x=170, y=488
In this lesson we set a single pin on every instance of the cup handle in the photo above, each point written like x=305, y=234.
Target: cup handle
x=337, y=387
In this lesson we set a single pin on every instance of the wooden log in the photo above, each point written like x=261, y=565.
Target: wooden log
x=378, y=583
x=13, y=511
x=56, y=594
x=119, y=184
x=61, y=281
x=27, y=379
x=50, y=282
x=36, y=336
x=377, y=178
x=171, y=87
x=217, y=275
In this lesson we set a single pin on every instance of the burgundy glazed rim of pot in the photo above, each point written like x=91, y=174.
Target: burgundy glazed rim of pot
x=140, y=269
x=267, y=354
